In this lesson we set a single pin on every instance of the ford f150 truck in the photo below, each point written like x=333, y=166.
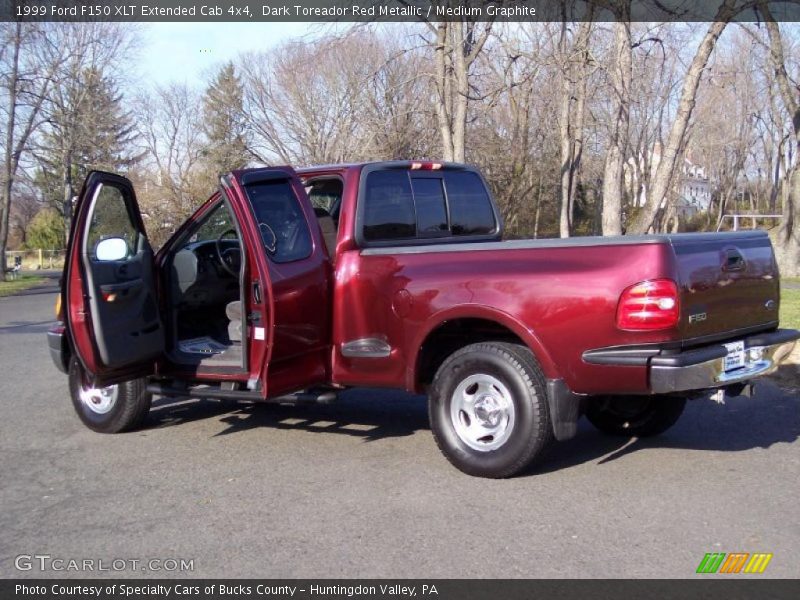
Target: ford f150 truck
x=290, y=285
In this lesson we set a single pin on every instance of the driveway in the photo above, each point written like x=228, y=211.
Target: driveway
x=359, y=489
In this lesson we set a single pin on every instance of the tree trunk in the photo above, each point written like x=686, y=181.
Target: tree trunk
x=457, y=46
x=613, y=172
x=788, y=234
x=9, y=163
x=664, y=176
x=461, y=96
x=571, y=124
x=566, y=159
x=68, y=191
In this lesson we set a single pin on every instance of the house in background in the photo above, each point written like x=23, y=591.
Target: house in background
x=694, y=192
x=693, y=185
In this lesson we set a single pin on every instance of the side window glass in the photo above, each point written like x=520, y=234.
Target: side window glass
x=280, y=219
x=430, y=206
x=389, y=206
x=110, y=220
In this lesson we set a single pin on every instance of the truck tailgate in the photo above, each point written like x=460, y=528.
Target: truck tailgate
x=728, y=283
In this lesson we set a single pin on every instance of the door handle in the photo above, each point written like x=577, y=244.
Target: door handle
x=734, y=261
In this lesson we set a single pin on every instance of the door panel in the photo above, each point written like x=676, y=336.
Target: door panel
x=298, y=277
x=113, y=315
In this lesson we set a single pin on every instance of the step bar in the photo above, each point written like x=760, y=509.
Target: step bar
x=215, y=392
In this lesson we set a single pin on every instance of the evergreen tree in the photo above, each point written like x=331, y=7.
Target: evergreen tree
x=45, y=230
x=224, y=123
x=87, y=129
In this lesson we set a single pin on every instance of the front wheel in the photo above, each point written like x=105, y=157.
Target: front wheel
x=111, y=409
x=639, y=416
x=488, y=409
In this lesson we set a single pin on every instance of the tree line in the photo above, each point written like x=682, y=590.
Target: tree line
x=580, y=128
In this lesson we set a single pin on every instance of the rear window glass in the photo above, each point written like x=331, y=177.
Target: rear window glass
x=430, y=206
x=470, y=208
x=389, y=208
x=401, y=204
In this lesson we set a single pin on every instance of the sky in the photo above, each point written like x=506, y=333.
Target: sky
x=188, y=52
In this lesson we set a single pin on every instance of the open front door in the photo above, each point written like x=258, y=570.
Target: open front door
x=110, y=295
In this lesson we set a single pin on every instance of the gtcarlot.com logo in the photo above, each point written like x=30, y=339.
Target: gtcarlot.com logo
x=46, y=562
x=735, y=562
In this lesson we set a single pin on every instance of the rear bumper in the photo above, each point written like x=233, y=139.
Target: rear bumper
x=703, y=368
x=59, y=350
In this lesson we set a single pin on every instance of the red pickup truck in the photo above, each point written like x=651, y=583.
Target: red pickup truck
x=290, y=285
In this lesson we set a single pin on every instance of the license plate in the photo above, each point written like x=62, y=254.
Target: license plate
x=735, y=357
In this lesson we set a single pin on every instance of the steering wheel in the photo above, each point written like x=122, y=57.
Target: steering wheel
x=226, y=257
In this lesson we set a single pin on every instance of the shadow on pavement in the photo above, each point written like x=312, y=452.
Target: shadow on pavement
x=21, y=327
x=367, y=414
x=738, y=425
x=44, y=288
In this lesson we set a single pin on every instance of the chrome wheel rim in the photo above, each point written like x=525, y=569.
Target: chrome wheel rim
x=482, y=412
x=99, y=400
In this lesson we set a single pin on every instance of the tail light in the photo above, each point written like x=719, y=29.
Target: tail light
x=649, y=305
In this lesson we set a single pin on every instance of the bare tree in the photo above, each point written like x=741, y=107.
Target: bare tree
x=574, y=57
x=620, y=77
x=304, y=101
x=456, y=45
x=30, y=61
x=170, y=127
x=665, y=172
x=789, y=235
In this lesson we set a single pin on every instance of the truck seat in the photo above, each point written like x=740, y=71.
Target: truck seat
x=328, y=228
x=233, y=311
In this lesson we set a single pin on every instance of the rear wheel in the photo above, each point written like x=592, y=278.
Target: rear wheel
x=111, y=409
x=639, y=416
x=488, y=409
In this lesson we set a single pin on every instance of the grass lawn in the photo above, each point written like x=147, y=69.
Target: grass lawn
x=8, y=288
x=790, y=309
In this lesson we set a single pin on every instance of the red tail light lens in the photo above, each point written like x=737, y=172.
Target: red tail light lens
x=649, y=306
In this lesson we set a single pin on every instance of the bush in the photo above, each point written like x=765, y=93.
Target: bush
x=46, y=230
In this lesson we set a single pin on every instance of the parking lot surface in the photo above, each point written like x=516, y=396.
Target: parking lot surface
x=359, y=489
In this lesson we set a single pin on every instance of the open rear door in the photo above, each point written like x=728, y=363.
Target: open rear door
x=289, y=316
x=110, y=294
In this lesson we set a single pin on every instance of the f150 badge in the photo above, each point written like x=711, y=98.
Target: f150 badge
x=697, y=317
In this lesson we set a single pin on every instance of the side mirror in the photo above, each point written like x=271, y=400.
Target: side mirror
x=111, y=249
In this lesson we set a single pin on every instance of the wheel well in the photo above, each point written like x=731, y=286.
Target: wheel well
x=455, y=334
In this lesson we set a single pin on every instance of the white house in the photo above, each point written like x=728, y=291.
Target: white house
x=694, y=187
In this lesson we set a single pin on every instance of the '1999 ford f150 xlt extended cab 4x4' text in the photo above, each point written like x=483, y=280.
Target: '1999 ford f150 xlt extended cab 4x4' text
x=289, y=285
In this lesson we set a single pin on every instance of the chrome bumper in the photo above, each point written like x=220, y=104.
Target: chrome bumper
x=704, y=368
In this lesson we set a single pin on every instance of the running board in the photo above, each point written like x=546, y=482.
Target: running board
x=214, y=392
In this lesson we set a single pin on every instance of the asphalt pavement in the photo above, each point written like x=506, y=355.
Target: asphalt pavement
x=359, y=489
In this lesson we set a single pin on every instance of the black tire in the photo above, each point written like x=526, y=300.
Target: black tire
x=635, y=416
x=525, y=437
x=128, y=410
